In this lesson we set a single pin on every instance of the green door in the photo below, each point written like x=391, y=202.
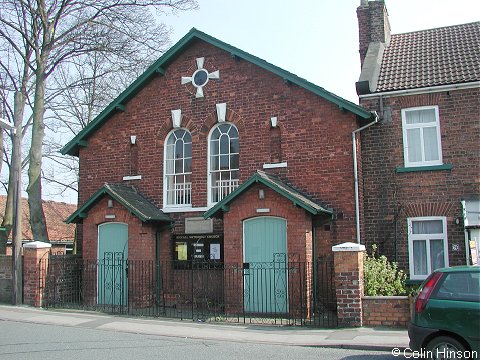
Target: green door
x=265, y=265
x=112, y=263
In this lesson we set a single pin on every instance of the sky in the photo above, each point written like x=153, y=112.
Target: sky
x=314, y=39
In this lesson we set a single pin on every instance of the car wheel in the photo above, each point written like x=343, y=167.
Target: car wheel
x=440, y=347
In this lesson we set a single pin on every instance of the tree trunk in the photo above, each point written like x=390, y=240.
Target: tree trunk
x=7, y=223
x=3, y=233
x=34, y=190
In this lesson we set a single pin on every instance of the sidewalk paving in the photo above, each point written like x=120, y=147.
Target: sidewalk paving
x=354, y=338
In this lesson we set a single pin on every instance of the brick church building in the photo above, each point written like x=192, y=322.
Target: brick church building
x=216, y=154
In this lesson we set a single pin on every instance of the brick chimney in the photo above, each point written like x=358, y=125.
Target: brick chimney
x=373, y=25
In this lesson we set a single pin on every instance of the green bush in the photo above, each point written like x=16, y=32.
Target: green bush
x=382, y=277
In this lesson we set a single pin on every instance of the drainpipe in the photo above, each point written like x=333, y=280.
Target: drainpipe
x=355, y=172
x=314, y=266
x=465, y=230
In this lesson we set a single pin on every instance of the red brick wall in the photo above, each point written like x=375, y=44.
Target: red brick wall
x=391, y=197
x=348, y=267
x=299, y=223
x=315, y=136
x=35, y=265
x=386, y=311
x=141, y=252
x=141, y=237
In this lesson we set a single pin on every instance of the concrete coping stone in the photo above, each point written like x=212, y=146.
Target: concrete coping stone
x=399, y=297
x=348, y=246
x=37, y=245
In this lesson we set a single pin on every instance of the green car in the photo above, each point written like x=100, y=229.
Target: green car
x=446, y=315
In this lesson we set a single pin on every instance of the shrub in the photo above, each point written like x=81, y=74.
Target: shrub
x=382, y=277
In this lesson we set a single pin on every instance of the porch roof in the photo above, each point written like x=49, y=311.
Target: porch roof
x=279, y=186
x=128, y=197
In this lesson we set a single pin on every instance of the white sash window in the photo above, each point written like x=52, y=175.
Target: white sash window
x=421, y=137
x=178, y=169
x=427, y=245
x=224, y=162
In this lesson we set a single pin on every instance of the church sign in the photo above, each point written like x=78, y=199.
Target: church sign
x=198, y=247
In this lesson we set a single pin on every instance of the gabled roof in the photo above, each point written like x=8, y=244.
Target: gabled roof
x=128, y=197
x=275, y=184
x=159, y=67
x=55, y=215
x=441, y=56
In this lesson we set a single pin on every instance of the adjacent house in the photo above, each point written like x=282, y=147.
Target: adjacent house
x=215, y=154
x=60, y=234
x=421, y=162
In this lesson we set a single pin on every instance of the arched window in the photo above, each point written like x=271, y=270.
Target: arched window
x=223, y=161
x=178, y=169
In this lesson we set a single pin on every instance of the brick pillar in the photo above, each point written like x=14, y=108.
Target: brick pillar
x=35, y=265
x=348, y=265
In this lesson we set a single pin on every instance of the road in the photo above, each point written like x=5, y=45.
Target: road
x=28, y=341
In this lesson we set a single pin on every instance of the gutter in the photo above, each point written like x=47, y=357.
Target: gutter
x=424, y=90
x=355, y=172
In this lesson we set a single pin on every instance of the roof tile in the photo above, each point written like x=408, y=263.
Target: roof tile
x=55, y=215
x=434, y=57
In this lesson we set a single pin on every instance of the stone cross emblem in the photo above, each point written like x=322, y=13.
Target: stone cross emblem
x=200, y=77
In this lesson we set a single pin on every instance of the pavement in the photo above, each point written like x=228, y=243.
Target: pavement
x=363, y=338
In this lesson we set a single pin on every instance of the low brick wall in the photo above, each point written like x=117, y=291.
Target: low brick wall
x=5, y=279
x=386, y=311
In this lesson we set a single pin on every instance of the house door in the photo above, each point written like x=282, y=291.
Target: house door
x=112, y=263
x=265, y=265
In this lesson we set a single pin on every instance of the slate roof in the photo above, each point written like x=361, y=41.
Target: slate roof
x=441, y=56
x=55, y=215
x=128, y=197
x=276, y=184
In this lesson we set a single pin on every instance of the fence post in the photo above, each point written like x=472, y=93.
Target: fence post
x=34, y=275
x=348, y=265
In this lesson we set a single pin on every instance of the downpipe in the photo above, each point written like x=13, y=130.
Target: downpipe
x=355, y=172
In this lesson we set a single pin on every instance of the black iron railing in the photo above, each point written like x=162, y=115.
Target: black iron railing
x=278, y=292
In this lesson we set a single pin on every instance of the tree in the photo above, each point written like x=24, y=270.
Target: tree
x=42, y=38
x=79, y=91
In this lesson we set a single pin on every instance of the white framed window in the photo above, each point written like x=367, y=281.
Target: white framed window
x=421, y=136
x=427, y=245
x=178, y=169
x=223, y=161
